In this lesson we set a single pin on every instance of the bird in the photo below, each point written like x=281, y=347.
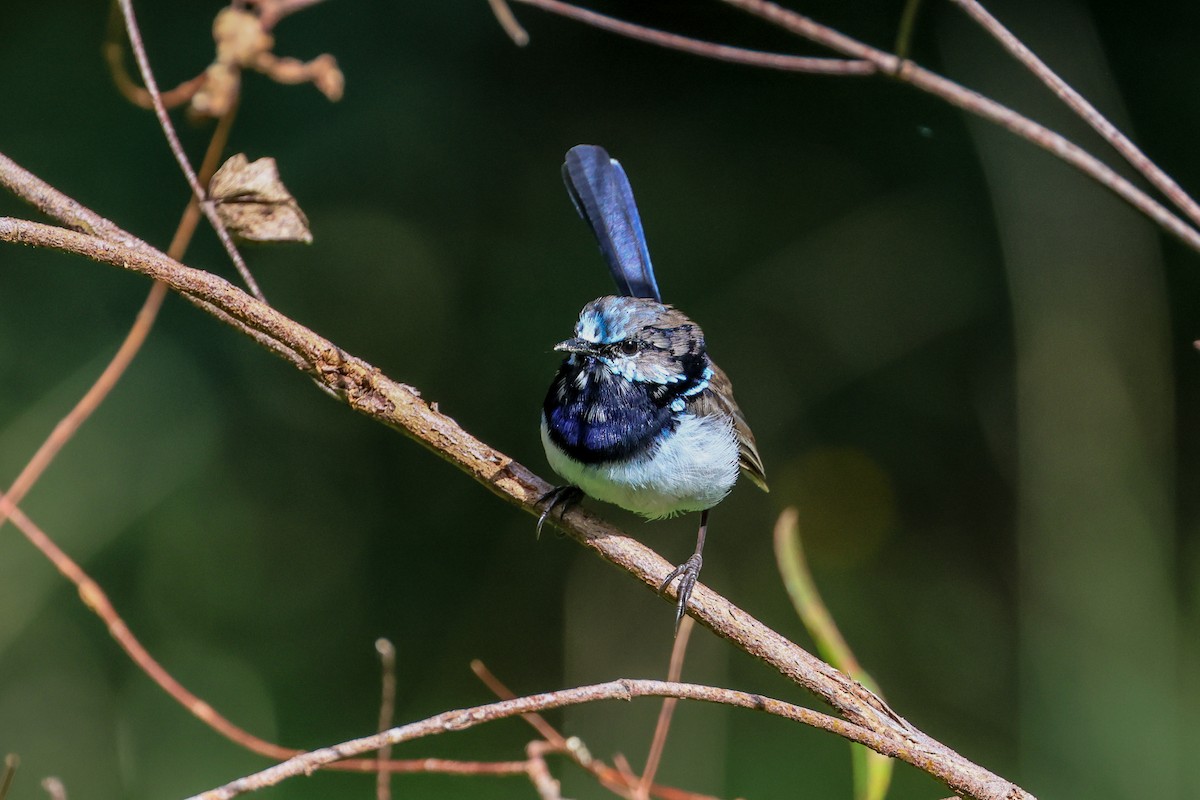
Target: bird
x=638, y=414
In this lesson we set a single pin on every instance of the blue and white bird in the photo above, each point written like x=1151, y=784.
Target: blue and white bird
x=638, y=414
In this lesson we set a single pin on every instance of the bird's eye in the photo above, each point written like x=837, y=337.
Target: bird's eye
x=629, y=347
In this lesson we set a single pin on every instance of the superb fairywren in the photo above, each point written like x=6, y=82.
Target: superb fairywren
x=638, y=414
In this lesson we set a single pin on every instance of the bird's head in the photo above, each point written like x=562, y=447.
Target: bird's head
x=638, y=339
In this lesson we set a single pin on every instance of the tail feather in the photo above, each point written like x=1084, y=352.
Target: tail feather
x=603, y=197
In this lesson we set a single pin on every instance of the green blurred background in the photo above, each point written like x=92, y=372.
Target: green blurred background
x=971, y=368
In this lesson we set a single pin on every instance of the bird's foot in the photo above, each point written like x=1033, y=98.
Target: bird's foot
x=688, y=573
x=565, y=497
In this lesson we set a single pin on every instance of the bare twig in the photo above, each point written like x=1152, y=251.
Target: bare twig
x=387, y=712
x=537, y=721
x=544, y=782
x=1085, y=110
x=673, y=41
x=620, y=780
x=605, y=774
x=663, y=726
x=164, y=120
x=509, y=22
x=625, y=769
x=11, y=762
x=469, y=718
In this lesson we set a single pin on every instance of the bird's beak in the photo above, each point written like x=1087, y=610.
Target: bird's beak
x=574, y=346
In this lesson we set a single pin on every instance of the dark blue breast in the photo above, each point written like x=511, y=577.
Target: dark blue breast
x=627, y=419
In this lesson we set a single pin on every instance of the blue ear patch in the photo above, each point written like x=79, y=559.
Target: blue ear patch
x=610, y=319
x=593, y=327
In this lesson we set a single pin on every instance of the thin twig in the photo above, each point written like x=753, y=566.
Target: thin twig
x=468, y=718
x=544, y=782
x=604, y=774
x=387, y=713
x=1085, y=110
x=537, y=721
x=11, y=762
x=164, y=120
x=508, y=22
x=618, y=780
x=114, y=56
x=719, y=52
x=625, y=770
x=661, y=728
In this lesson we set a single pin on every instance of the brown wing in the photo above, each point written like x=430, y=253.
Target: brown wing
x=718, y=399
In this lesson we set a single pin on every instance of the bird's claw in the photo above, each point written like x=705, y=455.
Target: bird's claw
x=688, y=573
x=560, y=496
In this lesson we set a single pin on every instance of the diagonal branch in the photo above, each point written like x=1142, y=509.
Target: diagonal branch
x=905, y=71
x=365, y=389
x=1083, y=109
x=975, y=103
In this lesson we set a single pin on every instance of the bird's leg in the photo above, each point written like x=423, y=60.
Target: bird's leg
x=560, y=496
x=688, y=572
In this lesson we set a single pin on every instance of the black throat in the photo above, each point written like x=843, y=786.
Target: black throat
x=596, y=416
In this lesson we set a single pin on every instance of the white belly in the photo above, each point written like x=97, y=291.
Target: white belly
x=691, y=470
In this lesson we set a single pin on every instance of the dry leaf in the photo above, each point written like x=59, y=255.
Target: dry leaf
x=244, y=42
x=254, y=204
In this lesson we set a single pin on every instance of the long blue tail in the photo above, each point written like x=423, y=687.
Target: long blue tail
x=603, y=197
